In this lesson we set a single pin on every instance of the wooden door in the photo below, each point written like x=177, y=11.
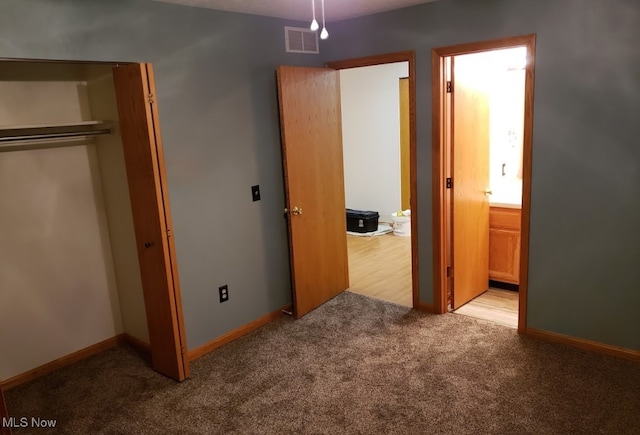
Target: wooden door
x=470, y=204
x=4, y=415
x=142, y=143
x=311, y=132
x=405, y=162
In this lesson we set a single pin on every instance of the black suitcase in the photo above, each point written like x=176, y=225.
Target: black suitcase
x=362, y=221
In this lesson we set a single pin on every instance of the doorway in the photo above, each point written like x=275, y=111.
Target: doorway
x=375, y=142
x=476, y=238
x=314, y=179
x=409, y=148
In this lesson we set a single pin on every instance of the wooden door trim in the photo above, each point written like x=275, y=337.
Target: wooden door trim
x=287, y=197
x=410, y=57
x=438, y=164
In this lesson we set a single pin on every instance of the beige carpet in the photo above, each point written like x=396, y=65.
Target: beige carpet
x=354, y=366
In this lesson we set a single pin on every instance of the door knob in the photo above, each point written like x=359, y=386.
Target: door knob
x=148, y=244
x=488, y=192
x=296, y=211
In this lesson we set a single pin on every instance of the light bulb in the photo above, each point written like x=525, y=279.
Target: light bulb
x=314, y=25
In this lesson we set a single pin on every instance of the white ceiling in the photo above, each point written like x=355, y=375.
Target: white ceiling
x=301, y=9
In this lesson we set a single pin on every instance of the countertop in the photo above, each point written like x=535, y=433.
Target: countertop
x=507, y=195
x=504, y=205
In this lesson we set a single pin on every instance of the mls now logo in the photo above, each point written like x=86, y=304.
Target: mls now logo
x=16, y=423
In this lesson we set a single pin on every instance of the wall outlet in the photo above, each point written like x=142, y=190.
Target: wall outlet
x=224, y=293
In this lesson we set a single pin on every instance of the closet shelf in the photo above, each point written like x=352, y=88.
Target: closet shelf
x=53, y=132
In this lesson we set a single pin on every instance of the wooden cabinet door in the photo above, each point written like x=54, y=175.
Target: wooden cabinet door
x=142, y=144
x=504, y=245
x=504, y=255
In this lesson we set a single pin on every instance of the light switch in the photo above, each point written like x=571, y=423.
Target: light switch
x=255, y=192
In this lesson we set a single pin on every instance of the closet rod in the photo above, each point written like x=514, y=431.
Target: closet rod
x=54, y=136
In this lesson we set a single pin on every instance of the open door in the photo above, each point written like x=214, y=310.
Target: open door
x=142, y=144
x=311, y=132
x=470, y=203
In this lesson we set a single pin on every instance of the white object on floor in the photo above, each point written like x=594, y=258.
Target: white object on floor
x=382, y=229
x=402, y=224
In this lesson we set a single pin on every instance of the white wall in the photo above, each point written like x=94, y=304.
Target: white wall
x=507, y=136
x=57, y=283
x=497, y=70
x=371, y=137
x=113, y=173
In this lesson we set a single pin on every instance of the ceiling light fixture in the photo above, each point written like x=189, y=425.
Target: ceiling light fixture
x=314, y=23
x=324, y=34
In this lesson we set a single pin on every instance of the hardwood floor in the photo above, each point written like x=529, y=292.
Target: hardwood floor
x=380, y=267
x=496, y=305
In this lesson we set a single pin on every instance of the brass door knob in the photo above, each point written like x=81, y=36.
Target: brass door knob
x=488, y=192
x=296, y=211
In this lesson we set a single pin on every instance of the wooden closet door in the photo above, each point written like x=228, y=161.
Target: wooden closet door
x=142, y=144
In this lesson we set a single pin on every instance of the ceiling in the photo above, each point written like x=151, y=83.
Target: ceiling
x=301, y=9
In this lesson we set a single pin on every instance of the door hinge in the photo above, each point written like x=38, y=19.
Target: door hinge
x=150, y=97
x=449, y=271
x=449, y=183
x=168, y=233
x=449, y=87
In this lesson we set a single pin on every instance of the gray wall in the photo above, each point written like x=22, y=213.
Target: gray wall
x=215, y=78
x=585, y=214
x=218, y=110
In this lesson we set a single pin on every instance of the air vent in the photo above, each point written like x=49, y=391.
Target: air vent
x=301, y=40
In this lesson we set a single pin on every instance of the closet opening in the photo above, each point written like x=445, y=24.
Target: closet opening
x=88, y=258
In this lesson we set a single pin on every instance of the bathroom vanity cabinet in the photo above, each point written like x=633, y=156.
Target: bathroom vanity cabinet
x=504, y=244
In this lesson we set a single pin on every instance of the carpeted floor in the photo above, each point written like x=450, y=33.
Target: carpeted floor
x=354, y=366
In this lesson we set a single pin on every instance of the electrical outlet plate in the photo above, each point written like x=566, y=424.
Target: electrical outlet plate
x=223, y=293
